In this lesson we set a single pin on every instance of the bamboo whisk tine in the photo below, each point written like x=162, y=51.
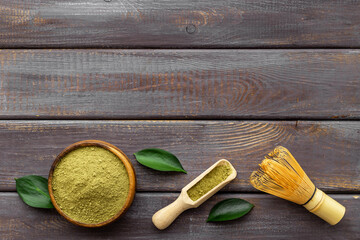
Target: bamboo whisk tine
x=282, y=176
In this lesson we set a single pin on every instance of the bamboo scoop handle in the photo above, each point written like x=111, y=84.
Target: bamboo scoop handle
x=165, y=216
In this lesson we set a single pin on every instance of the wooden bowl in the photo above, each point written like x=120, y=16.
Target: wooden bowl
x=125, y=160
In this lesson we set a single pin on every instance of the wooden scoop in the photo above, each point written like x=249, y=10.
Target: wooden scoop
x=164, y=217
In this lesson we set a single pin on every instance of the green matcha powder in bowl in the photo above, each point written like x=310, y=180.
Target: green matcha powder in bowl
x=91, y=183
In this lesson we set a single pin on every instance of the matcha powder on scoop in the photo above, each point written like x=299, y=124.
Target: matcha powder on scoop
x=90, y=185
x=219, y=174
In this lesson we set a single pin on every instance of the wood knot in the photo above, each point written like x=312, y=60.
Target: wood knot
x=190, y=29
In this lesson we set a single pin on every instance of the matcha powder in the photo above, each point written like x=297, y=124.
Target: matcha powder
x=209, y=181
x=90, y=184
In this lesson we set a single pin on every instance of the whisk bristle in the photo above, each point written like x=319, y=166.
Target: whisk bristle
x=282, y=176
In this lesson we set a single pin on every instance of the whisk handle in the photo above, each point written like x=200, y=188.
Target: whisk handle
x=325, y=207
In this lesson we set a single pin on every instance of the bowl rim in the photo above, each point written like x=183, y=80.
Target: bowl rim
x=124, y=159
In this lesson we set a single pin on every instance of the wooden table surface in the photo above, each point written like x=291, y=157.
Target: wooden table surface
x=203, y=79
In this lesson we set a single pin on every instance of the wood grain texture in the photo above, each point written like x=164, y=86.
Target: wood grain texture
x=271, y=218
x=328, y=151
x=180, y=84
x=163, y=24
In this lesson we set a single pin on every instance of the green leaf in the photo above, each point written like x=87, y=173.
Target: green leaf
x=33, y=190
x=159, y=159
x=229, y=209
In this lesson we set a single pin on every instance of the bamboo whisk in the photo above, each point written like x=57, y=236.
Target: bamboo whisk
x=281, y=175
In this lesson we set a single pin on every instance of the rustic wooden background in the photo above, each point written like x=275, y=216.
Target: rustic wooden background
x=203, y=79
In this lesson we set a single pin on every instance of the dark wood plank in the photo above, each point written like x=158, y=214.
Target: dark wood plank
x=328, y=151
x=165, y=24
x=207, y=84
x=271, y=218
